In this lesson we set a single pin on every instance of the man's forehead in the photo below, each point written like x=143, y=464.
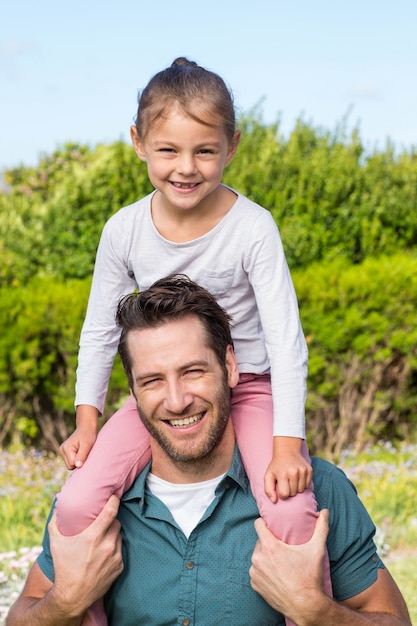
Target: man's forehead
x=180, y=335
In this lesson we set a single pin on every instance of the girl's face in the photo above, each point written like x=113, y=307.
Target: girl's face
x=185, y=159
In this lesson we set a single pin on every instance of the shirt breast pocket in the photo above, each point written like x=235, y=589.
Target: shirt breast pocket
x=244, y=605
x=218, y=283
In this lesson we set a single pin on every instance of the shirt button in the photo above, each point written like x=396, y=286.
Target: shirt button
x=189, y=565
x=185, y=622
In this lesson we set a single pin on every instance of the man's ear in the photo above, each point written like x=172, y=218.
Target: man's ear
x=232, y=367
x=137, y=143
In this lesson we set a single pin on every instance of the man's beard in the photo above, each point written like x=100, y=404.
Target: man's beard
x=205, y=455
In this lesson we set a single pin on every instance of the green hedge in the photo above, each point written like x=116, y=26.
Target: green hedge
x=38, y=358
x=359, y=323
x=328, y=196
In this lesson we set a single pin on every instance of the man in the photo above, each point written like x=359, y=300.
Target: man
x=188, y=523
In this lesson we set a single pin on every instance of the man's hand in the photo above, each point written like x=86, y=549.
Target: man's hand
x=288, y=577
x=86, y=564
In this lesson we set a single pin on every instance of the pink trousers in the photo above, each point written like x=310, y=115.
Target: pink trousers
x=122, y=450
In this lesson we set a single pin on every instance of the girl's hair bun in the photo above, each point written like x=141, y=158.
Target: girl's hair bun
x=183, y=61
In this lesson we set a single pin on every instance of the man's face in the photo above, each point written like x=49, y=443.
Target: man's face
x=182, y=391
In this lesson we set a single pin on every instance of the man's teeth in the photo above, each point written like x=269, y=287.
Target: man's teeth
x=186, y=421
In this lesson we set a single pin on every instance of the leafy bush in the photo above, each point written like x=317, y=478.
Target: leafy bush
x=360, y=327
x=344, y=216
x=52, y=216
x=38, y=357
x=329, y=198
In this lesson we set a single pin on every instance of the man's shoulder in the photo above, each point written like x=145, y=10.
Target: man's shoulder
x=330, y=481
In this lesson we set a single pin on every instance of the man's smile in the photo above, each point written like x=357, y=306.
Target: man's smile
x=186, y=421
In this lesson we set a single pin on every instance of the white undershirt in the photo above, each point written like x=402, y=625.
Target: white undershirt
x=186, y=502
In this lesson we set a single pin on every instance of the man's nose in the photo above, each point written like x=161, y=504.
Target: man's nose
x=177, y=398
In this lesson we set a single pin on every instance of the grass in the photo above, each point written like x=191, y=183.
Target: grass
x=404, y=572
x=386, y=479
x=29, y=481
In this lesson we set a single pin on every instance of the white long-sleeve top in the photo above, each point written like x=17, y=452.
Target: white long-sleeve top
x=240, y=261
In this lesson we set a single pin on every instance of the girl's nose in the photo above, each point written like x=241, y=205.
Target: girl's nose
x=186, y=165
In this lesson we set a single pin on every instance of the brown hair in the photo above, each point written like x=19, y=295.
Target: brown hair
x=169, y=299
x=202, y=94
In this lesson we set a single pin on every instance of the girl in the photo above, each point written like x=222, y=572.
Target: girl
x=193, y=224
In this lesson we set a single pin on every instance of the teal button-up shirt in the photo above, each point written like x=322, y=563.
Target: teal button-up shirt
x=169, y=580
x=204, y=580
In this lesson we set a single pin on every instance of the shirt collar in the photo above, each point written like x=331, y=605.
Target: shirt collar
x=236, y=473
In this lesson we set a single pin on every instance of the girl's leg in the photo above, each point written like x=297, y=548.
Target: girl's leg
x=291, y=520
x=120, y=452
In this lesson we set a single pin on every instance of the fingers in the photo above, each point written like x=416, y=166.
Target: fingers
x=68, y=455
x=53, y=526
x=285, y=490
x=264, y=534
x=321, y=529
x=294, y=481
x=270, y=487
x=82, y=452
x=107, y=515
x=102, y=523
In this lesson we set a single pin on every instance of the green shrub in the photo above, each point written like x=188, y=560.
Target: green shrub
x=360, y=327
x=38, y=358
x=329, y=198
x=52, y=216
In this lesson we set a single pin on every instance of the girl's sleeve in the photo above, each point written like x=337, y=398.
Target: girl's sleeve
x=99, y=338
x=277, y=304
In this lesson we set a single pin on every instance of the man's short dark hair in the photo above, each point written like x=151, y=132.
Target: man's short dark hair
x=169, y=299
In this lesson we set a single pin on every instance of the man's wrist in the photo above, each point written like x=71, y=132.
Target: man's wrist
x=313, y=608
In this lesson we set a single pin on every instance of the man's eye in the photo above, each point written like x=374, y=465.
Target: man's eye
x=194, y=373
x=150, y=382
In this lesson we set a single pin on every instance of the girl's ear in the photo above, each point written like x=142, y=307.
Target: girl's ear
x=233, y=147
x=137, y=144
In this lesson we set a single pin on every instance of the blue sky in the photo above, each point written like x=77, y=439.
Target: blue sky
x=70, y=71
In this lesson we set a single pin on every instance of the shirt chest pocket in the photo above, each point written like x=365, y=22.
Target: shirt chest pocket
x=218, y=283
x=244, y=605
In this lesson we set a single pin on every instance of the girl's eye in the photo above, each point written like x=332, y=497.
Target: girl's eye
x=166, y=150
x=206, y=151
